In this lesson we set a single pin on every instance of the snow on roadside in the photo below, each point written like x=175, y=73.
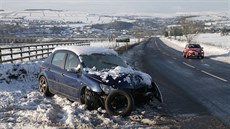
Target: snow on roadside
x=16, y=79
x=215, y=39
x=214, y=52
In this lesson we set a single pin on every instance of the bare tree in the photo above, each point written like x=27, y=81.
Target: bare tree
x=190, y=29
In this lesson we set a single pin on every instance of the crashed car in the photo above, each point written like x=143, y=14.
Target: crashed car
x=193, y=50
x=97, y=77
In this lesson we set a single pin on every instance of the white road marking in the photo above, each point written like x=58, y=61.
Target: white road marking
x=214, y=76
x=189, y=65
x=206, y=65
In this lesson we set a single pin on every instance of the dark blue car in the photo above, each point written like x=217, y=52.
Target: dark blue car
x=97, y=77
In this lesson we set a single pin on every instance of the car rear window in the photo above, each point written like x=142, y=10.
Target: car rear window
x=194, y=46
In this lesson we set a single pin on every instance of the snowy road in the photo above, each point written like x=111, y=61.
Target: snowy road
x=189, y=86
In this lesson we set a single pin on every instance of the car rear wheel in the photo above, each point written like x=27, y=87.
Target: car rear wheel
x=184, y=55
x=43, y=87
x=187, y=56
x=119, y=102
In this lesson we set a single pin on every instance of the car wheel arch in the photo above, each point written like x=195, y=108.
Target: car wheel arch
x=47, y=90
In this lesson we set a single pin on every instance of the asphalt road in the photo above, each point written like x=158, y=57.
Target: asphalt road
x=188, y=86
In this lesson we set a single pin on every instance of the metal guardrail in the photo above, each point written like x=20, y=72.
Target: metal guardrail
x=22, y=53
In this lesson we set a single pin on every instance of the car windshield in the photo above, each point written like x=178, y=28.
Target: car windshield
x=102, y=61
x=194, y=46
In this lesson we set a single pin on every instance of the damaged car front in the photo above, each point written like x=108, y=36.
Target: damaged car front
x=122, y=86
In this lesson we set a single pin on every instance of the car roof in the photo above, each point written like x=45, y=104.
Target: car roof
x=86, y=50
x=193, y=44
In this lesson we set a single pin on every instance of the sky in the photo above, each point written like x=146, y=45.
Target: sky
x=120, y=6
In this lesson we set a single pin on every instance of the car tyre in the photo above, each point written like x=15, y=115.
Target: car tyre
x=119, y=102
x=187, y=56
x=184, y=55
x=91, y=99
x=43, y=87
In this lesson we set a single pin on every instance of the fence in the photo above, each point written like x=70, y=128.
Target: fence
x=18, y=54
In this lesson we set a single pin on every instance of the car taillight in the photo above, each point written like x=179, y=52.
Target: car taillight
x=190, y=51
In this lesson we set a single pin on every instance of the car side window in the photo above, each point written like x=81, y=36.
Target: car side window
x=59, y=59
x=71, y=62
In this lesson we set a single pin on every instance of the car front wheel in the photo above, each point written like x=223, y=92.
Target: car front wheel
x=43, y=87
x=90, y=99
x=119, y=102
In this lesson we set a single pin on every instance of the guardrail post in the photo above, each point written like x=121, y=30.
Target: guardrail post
x=11, y=55
x=0, y=55
x=36, y=52
x=21, y=56
x=29, y=52
x=42, y=51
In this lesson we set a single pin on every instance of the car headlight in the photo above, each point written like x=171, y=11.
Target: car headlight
x=107, y=89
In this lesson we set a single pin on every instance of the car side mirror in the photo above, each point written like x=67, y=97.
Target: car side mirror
x=202, y=48
x=77, y=70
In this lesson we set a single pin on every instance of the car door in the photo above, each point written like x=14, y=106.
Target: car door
x=57, y=70
x=71, y=81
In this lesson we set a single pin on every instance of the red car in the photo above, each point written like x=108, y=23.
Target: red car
x=193, y=50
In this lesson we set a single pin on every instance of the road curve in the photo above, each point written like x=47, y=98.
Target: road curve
x=188, y=86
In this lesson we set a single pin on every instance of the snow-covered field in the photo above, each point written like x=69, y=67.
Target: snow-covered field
x=215, y=39
x=215, y=46
x=79, y=19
